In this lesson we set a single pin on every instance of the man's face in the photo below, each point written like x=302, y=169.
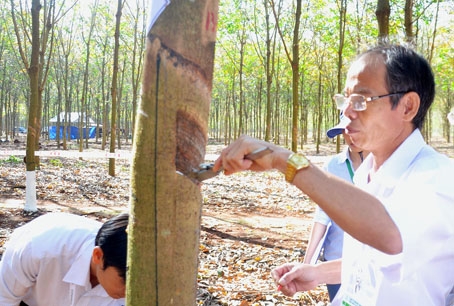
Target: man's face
x=348, y=140
x=111, y=282
x=379, y=128
x=108, y=278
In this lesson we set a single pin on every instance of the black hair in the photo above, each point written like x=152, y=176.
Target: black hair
x=112, y=238
x=407, y=71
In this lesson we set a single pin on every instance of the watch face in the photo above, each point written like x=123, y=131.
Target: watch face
x=294, y=163
x=299, y=161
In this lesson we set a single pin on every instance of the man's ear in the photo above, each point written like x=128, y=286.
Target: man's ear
x=97, y=255
x=410, y=103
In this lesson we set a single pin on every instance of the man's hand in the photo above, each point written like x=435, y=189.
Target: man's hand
x=295, y=277
x=234, y=158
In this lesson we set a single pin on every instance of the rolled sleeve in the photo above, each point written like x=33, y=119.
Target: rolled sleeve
x=321, y=217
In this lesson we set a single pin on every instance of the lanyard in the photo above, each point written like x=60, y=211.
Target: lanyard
x=350, y=169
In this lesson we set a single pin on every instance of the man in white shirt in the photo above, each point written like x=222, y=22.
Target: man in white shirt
x=60, y=259
x=401, y=245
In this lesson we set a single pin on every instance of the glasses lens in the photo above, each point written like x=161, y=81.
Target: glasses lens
x=340, y=101
x=358, y=102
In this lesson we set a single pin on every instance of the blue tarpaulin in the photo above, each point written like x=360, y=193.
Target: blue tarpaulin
x=73, y=132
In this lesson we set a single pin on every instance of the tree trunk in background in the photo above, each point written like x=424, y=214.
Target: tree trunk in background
x=84, y=101
x=427, y=128
x=120, y=109
x=32, y=134
x=340, y=50
x=104, y=94
x=408, y=22
x=319, y=106
x=276, y=121
x=65, y=53
x=59, y=85
x=382, y=13
x=3, y=101
x=269, y=73
x=241, y=110
x=294, y=63
x=296, y=76
x=113, y=90
x=45, y=55
x=38, y=70
x=137, y=63
x=170, y=139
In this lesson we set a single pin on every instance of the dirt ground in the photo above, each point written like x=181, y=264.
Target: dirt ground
x=250, y=223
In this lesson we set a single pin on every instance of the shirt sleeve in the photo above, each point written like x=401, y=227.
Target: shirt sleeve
x=321, y=217
x=17, y=272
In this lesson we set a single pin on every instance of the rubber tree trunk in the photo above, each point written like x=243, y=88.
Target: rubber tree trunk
x=113, y=88
x=170, y=141
x=33, y=133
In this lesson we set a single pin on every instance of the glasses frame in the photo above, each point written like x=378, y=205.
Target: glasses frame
x=342, y=101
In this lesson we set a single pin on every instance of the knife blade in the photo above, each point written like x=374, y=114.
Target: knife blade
x=206, y=172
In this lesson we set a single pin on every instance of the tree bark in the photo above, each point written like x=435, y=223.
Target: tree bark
x=383, y=11
x=269, y=74
x=340, y=50
x=84, y=101
x=137, y=61
x=408, y=22
x=170, y=140
x=113, y=90
x=294, y=63
x=296, y=77
x=33, y=134
x=241, y=110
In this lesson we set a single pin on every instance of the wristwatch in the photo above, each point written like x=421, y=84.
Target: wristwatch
x=295, y=162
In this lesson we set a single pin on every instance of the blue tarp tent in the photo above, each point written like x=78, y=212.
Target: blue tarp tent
x=73, y=132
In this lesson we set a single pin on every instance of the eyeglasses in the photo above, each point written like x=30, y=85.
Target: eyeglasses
x=358, y=102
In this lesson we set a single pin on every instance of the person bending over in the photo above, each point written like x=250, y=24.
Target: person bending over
x=61, y=259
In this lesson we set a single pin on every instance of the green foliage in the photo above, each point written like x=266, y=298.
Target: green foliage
x=56, y=162
x=237, y=20
x=12, y=159
x=64, y=79
x=319, y=43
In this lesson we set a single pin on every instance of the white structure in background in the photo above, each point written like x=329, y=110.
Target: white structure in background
x=30, y=191
x=451, y=117
x=72, y=117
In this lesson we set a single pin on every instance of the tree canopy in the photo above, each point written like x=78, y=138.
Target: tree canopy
x=253, y=87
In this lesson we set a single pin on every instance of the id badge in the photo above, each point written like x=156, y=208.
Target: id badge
x=363, y=286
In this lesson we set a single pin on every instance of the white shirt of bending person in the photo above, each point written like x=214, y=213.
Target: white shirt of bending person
x=46, y=263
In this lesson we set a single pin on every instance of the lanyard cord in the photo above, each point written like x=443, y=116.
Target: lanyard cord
x=350, y=169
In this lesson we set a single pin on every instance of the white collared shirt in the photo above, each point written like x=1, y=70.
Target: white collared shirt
x=416, y=186
x=47, y=263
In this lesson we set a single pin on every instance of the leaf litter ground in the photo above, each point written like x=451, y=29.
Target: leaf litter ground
x=251, y=222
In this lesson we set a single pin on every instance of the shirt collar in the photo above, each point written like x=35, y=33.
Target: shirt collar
x=97, y=291
x=343, y=156
x=395, y=165
x=79, y=272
